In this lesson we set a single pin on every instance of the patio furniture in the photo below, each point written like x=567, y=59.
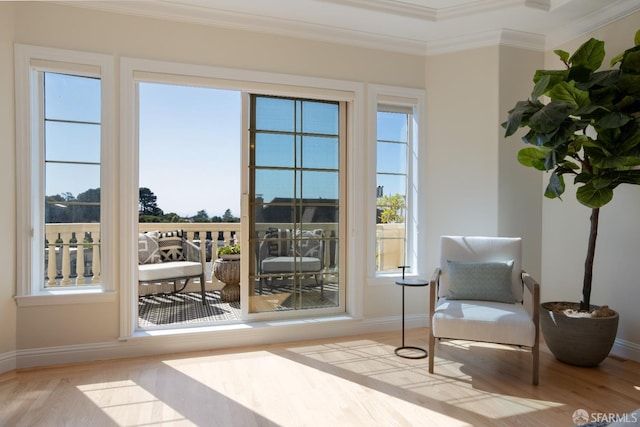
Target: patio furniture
x=477, y=295
x=169, y=257
x=284, y=252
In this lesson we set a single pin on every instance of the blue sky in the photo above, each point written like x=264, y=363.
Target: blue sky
x=190, y=141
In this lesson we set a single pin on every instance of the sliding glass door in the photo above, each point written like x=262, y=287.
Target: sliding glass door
x=295, y=186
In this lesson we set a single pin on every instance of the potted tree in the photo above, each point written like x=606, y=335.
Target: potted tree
x=585, y=123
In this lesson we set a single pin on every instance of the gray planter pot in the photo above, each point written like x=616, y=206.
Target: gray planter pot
x=578, y=341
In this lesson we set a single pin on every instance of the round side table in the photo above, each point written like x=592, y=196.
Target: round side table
x=422, y=353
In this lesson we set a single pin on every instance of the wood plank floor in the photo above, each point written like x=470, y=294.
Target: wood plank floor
x=350, y=381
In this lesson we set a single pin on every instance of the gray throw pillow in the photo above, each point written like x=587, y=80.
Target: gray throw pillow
x=483, y=281
x=148, y=248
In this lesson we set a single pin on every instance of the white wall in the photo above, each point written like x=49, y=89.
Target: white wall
x=462, y=150
x=566, y=229
x=7, y=190
x=520, y=205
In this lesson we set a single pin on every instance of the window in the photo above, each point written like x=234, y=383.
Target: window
x=64, y=101
x=71, y=139
x=393, y=135
x=399, y=172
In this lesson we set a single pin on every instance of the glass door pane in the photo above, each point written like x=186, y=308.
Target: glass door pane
x=294, y=195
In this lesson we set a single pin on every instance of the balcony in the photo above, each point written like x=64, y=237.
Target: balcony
x=72, y=251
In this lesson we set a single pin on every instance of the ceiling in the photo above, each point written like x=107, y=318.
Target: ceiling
x=423, y=27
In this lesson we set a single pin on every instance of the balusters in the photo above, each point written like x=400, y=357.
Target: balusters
x=95, y=262
x=52, y=270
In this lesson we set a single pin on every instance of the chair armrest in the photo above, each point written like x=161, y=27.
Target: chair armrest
x=191, y=251
x=433, y=290
x=534, y=288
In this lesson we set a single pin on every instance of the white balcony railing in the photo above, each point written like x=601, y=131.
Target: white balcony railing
x=72, y=253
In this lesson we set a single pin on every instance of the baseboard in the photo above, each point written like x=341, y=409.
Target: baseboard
x=626, y=349
x=7, y=361
x=211, y=338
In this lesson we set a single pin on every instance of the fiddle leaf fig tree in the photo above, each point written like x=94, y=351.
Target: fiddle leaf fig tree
x=584, y=123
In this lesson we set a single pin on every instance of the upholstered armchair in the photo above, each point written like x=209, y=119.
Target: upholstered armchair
x=477, y=294
x=169, y=257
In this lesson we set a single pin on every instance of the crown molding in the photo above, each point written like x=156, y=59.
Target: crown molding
x=416, y=11
x=591, y=22
x=201, y=15
x=504, y=37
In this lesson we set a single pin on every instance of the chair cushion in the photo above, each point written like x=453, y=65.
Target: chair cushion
x=481, y=249
x=285, y=264
x=486, y=321
x=485, y=281
x=148, y=247
x=171, y=245
x=168, y=270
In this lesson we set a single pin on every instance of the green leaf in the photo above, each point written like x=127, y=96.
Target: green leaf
x=613, y=120
x=522, y=110
x=590, y=55
x=533, y=157
x=631, y=61
x=564, y=56
x=555, y=76
x=567, y=92
x=636, y=39
x=616, y=59
x=556, y=186
x=550, y=117
x=540, y=87
x=594, y=197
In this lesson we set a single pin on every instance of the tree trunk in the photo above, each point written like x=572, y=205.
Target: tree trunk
x=588, y=265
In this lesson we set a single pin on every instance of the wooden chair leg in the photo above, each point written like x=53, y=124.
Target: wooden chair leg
x=535, y=353
x=432, y=346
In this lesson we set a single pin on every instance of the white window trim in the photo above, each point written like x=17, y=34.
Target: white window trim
x=135, y=69
x=416, y=171
x=28, y=59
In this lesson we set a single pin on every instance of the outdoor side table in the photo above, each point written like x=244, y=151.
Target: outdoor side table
x=422, y=352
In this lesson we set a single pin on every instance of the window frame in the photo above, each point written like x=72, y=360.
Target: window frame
x=415, y=251
x=30, y=64
x=133, y=70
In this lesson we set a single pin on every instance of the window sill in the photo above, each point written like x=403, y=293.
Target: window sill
x=66, y=296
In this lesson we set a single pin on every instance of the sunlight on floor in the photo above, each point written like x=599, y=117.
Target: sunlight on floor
x=355, y=357
x=390, y=389
x=127, y=404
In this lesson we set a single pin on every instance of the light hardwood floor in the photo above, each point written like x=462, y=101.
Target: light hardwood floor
x=350, y=381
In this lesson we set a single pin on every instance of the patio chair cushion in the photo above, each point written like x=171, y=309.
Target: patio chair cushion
x=289, y=264
x=484, y=281
x=170, y=243
x=464, y=319
x=148, y=247
x=168, y=270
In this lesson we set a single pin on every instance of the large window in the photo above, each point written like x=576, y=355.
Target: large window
x=64, y=122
